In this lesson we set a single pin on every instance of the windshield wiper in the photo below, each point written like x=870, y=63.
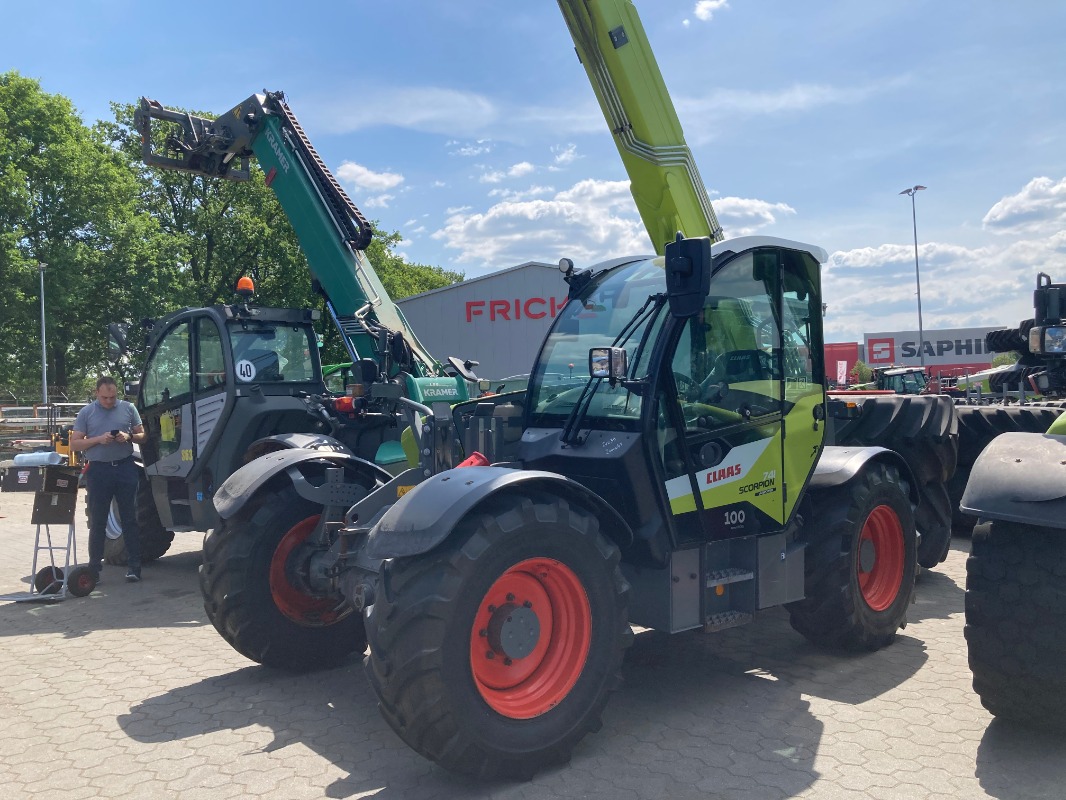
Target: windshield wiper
x=572, y=426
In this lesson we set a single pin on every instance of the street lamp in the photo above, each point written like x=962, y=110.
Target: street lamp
x=917, y=277
x=44, y=349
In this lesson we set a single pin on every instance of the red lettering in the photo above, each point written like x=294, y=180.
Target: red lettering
x=535, y=314
x=474, y=309
x=715, y=475
x=501, y=306
x=517, y=308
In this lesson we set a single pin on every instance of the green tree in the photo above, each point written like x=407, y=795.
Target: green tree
x=1004, y=359
x=861, y=373
x=68, y=201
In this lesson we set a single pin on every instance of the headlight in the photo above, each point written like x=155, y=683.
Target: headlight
x=1054, y=340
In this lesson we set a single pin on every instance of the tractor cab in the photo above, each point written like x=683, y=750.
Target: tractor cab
x=216, y=379
x=693, y=366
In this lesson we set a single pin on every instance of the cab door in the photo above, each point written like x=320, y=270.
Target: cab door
x=184, y=400
x=728, y=367
x=166, y=406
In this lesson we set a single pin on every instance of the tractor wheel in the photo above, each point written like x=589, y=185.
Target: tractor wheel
x=933, y=520
x=494, y=654
x=923, y=430
x=1006, y=340
x=861, y=563
x=1016, y=622
x=81, y=581
x=252, y=581
x=979, y=425
x=155, y=539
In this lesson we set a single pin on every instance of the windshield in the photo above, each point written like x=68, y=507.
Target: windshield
x=596, y=320
x=272, y=354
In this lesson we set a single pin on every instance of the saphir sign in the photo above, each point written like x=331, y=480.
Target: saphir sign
x=948, y=347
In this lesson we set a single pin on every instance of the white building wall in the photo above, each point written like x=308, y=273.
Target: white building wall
x=498, y=320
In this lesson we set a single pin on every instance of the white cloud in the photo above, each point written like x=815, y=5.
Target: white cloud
x=564, y=155
x=705, y=8
x=364, y=178
x=588, y=222
x=514, y=171
x=521, y=194
x=743, y=216
x=468, y=150
x=1039, y=207
x=423, y=108
x=378, y=201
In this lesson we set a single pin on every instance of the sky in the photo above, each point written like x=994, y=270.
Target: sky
x=471, y=129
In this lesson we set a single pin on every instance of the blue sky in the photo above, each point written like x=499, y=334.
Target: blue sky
x=470, y=127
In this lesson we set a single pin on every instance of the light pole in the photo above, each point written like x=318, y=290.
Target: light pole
x=917, y=277
x=44, y=348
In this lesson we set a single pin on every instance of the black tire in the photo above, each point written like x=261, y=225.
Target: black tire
x=1007, y=340
x=268, y=617
x=81, y=581
x=1016, y=622
x=869, y=517
x=961, y=524
x=923, y=430
x=979, y=425
x=422, y=635
x=155, y=539
x=933, y=519
x=48, y=580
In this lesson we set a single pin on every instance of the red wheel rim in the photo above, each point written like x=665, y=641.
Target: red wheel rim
x=84, y=582
x=292, y=601
x=881, y=571
x=531, y=638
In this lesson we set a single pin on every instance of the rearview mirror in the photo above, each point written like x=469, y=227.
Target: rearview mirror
x=116, y=340
x=608, y=362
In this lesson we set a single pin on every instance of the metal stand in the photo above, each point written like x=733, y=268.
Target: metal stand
x=53, y=583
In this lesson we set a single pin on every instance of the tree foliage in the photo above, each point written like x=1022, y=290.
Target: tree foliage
x=125, y=243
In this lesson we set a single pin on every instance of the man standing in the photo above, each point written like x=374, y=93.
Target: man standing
x=106, y=430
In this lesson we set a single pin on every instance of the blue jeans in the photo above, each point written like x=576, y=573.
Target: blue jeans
x=106, y=481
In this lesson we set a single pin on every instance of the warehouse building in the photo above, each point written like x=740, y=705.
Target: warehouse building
x=498, y=320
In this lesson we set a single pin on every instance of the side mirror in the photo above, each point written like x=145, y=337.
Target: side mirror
x=116, y=340
x=608, y=362
x=688, y=274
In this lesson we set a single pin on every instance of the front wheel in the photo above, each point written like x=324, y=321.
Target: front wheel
x=1016, y=622
x=494, y=654
x=861, y=563
x=255, y=593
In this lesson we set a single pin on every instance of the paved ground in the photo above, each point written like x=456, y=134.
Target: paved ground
x=130, y=693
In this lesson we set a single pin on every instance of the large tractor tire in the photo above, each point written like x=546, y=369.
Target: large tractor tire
x=979, y=425
x=933, y=520
x=1007, y=340
x=861, y=563
x=924, y=431
x=1016, y=622
x=155, y=539
x=254, y=595
x=495, y=653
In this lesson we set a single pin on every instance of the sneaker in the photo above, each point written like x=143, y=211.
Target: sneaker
x=133, y=574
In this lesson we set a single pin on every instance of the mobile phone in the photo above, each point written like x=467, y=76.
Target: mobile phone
x=114, y=432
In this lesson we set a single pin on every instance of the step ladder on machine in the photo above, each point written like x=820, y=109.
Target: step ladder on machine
x=54, y=506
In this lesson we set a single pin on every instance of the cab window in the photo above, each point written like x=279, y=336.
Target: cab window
x=168, y=375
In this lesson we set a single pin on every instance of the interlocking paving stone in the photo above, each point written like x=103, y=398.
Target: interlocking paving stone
x=130, y=693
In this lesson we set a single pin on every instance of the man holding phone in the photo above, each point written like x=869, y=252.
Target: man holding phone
x=106, y=430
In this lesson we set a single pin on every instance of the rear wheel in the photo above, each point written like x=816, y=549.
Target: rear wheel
x=1016, y=622
x=256, y=594
x=495, y=653
x=861, y=563
x=155, y=539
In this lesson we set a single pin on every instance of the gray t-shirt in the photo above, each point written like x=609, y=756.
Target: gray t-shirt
x=95, y=420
